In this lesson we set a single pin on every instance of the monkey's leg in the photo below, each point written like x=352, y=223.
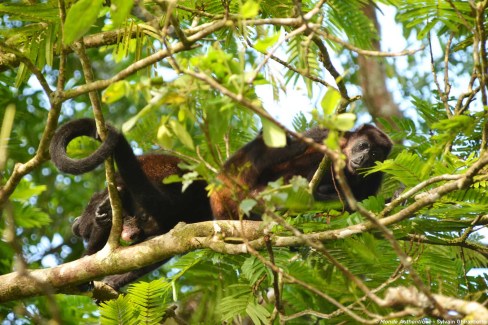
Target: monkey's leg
x=119, y=280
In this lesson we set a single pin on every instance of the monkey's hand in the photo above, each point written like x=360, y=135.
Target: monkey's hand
x=103, y=213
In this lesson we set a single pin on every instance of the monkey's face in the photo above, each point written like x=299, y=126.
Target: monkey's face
x=138, y=228
x=362, y=152
x=361, y=155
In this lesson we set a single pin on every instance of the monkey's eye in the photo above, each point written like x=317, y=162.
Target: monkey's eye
x=363, y=146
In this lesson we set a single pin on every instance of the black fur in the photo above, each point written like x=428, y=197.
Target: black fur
x=253, y=166
x=149, y=206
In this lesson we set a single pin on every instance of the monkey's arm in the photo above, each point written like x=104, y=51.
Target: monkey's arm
x=95, y=223
x=260, y=157
x=119, y=280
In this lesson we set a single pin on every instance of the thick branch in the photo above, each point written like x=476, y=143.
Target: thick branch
x=180, y=240
x=402, y=297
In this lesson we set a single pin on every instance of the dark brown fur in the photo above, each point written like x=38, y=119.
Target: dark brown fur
x=252, y=167
x=152, y=208
x=149, y=206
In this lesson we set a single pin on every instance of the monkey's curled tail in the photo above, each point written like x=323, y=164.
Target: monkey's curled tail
x=78, y=128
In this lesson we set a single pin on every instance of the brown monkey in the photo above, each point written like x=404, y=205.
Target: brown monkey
x=253, y=166
x=149, y=206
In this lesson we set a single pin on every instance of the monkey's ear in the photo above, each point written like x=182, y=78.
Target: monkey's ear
x=75, y=228
x=365, y=128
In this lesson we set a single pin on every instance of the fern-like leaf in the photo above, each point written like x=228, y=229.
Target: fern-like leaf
x=432, y=12
x=241, y=302
x=150, y=299
x=406, y=168
x=118, y=311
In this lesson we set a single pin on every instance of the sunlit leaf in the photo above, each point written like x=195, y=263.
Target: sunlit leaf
x=119, y=10
x=115, y=92
x=164, y=136
x=273, y=135
x=80, y=18
x=264, y=43
x=345, y=121
x=247, y=205
x=249, y=9
x=182, y=134
x=330, y=101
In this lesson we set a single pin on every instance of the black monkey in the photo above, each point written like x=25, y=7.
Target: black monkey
x=254, y=165
x=149, y=206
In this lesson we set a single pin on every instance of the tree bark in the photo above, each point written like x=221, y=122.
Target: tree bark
x=376, y=95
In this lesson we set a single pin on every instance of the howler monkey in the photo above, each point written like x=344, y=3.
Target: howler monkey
x=149, y=206
x=254, y=165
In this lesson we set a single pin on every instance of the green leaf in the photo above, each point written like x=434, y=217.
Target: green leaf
x=253, y=269
x=332, y=141
x=264, y=43
x=188, y=179
x=80, y=18
x=406, y=168
x=130, y=123
x=456, y=124
x=250, y=9
x=172, y=179
x=164, y=136
x=330, y=101
x=273, y=136
x=236, y=302
x=345, y=121
x=119, y=10
x=115, y=92
x=257, y=313
x=118, y=311
x=28, y=216
x=25, y=190
x=150, y=299
x=247, y=205
x=182, y=134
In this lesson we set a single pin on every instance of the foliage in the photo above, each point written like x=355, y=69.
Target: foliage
x=144, y=302
x=184, y=77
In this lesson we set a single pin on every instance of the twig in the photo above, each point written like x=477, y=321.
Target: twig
x=483, y=250
x=332, y=70
x=276, y=276
x=115, y=203
x=28, y=63
x=366, y=52
x=256, y=71
x=136, y=66
x=303, y=284
x=443, y=95
x=402, y=197
x=261, y=112
x=325, y=164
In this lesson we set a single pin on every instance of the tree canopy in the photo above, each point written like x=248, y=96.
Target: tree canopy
x=193, y=79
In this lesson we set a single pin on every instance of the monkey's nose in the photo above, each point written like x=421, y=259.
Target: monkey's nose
x=129, y=235
x=356, y=163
